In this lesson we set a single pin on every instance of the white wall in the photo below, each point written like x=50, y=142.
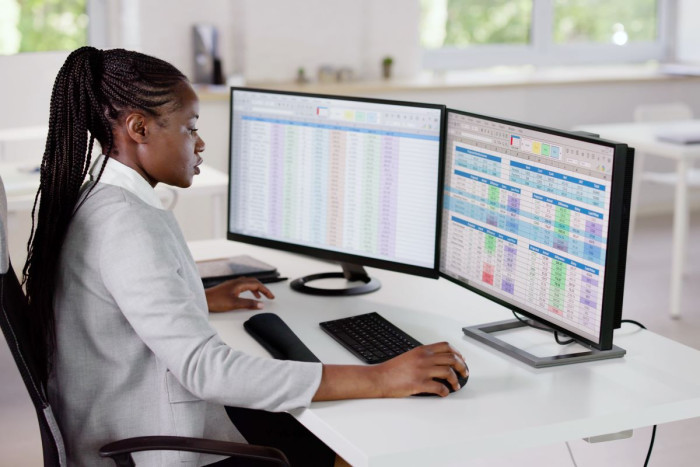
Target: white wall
x=165, y=28
x=339, y=33
x=269, y=40
x=25, y=87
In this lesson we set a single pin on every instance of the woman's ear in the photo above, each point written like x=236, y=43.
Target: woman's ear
x=137, y=127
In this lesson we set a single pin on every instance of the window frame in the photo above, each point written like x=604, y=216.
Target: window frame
x=98, y=27
x=542, y=51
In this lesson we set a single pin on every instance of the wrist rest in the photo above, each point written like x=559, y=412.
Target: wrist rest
x=277, y=338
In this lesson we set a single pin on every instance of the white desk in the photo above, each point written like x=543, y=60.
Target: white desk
x=642, y=136
x=21, y=183
x=505, y=406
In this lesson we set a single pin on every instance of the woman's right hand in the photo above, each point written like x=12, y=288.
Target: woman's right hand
x=409, y=373
x=413, y=372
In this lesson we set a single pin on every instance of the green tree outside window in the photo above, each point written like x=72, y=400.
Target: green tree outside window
x=605, y=21
x=464, y=23
x=42, y=25
x=461, y=23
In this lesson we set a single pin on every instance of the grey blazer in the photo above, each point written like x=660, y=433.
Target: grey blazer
x=136, y=355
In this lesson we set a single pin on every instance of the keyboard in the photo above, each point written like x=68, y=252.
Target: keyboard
x=370, y=337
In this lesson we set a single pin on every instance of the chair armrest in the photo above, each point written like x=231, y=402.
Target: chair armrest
x=120, y=451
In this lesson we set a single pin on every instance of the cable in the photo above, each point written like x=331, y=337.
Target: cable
x=633, y=322
x=653, y=430
x=527, y=323
x=556, y=338
x=543, y=328
x=651, y=445
x=571, y=454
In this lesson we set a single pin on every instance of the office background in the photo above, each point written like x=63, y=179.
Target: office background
x=265, y=42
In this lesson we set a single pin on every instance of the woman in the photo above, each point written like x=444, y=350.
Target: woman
x=119, y=311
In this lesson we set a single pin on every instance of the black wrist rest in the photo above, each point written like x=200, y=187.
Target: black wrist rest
x=277, y=338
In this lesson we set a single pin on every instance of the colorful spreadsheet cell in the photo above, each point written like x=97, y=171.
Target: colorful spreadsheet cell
x=529, y=222
x=548, y=280
x=479, y=161
x=566, y=186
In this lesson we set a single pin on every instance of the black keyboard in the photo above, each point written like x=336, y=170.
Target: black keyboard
x=370, y=337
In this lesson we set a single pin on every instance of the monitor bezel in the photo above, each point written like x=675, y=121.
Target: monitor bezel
x=338, y=256
x=615, y=258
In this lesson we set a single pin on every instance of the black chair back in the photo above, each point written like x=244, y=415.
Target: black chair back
x=15, y=327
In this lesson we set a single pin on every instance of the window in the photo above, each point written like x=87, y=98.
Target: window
x=459, y=34
x=464, y=23
x=613, y=22
x=42, y=25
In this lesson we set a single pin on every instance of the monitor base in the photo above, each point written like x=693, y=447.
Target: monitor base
x=483, y=333
x=351, y=272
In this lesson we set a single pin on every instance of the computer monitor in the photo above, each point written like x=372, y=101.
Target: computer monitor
x=352, y=180
x=536, y=220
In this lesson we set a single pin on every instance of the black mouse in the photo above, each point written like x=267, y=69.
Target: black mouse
x=462, y=381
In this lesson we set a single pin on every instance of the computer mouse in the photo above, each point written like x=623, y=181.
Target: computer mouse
x=462, y=381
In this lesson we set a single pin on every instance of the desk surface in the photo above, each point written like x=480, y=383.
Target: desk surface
x=505, y=406
x=643, y=136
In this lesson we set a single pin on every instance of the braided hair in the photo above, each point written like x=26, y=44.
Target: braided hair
x=92, y=91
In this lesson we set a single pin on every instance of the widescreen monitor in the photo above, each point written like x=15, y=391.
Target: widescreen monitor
x=357, y=181
x=536, y=219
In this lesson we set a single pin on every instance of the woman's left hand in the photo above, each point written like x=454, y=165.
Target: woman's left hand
x=225, y=296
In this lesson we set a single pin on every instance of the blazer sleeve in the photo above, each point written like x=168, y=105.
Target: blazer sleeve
x=140, y=261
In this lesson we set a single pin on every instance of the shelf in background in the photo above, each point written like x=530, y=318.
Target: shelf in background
x=487, y=78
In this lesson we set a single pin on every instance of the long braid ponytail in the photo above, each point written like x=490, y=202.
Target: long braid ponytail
x=93, y=89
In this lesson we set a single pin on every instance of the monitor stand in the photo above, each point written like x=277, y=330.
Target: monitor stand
x=351, y=273
x=484, y=333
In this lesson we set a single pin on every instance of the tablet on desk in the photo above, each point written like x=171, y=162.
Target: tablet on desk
x=215, y=271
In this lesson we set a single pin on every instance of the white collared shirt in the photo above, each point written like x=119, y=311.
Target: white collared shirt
x=120, y=175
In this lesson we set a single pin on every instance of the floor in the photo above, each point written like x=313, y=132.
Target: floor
x=646, y=300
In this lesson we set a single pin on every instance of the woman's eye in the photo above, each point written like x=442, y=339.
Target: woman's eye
x=193, y=130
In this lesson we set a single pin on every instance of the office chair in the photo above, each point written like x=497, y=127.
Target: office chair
x=13, y=312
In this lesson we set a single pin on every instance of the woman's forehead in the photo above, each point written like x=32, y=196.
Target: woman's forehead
x=185, y=104
x=189, y=102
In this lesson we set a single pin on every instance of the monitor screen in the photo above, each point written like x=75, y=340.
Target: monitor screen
x=533, y=219
x=347, y=179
